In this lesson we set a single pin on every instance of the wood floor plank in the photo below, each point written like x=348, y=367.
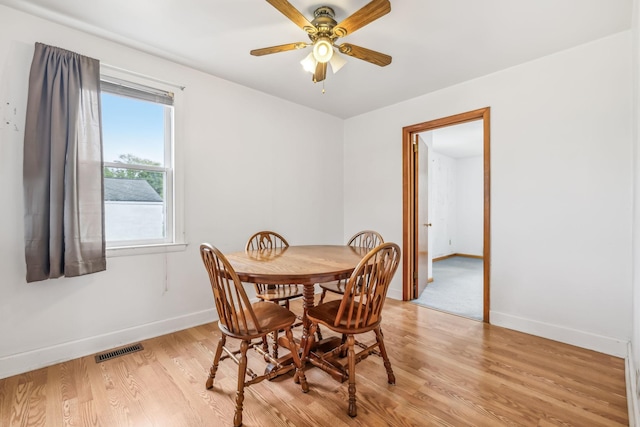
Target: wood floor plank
x=18, y=411
x=37, y=400
x=450, y=371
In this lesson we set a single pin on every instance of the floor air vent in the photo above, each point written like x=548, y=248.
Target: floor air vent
x=118, y=352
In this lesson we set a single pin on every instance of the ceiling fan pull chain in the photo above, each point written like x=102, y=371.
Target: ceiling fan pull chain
x=323, y=87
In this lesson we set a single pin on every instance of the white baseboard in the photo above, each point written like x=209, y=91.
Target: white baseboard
x=394, y=293
x=632, y=389
x=27, y=361
x=607, y=345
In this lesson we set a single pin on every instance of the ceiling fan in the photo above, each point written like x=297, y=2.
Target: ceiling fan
x=324, y=31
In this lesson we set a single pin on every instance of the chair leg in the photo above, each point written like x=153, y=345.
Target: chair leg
x=351, y=354
x=275, y=344
x=265, y=347
x=299, y=375
x=216, y=361
x=307, y=343
x=324, y=294
x=343, y=340
x=383, y=352
x=242, y=372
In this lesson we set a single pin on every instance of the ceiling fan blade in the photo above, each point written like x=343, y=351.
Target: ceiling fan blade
x=369, y=13
x=321, y=72
x=365, y=54
x=276, y=49
x=293, y=14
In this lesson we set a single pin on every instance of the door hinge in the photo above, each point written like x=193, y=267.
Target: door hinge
x=415, y=275
x=415, y=146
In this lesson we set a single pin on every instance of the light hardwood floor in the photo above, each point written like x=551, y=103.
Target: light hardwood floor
x=450, y=371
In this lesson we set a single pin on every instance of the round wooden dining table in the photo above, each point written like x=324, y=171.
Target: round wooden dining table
x=298, y=265
x=304, y=265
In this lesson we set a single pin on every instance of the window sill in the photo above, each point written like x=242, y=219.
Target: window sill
x=161, y=248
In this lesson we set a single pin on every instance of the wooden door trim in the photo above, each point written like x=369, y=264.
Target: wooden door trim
x=409, y=232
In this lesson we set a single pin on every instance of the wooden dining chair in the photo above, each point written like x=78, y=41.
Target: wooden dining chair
x=366, y=239
x=241, y=320
x=359, y=311
x=279, y=294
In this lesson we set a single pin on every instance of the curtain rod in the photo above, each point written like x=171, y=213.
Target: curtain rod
x=133, y=73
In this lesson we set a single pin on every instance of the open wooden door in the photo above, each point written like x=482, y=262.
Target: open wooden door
x=413, y=215
x=423, y=256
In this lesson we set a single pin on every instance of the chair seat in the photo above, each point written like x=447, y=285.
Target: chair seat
x=336, y=286
x=327, y=313
x=272, y=317
x=280, y=293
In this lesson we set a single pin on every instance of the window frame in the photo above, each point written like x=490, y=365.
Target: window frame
x=173, y=186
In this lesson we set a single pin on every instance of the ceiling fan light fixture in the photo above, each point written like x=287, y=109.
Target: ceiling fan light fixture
x=322, y=49
x=309, y=63
x=337, y=62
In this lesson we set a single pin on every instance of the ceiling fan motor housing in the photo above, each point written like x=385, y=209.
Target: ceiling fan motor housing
x=324, y=24
x=324, y=11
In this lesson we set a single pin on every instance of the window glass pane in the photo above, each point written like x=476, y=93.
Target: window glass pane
x=132, y=130
x=134, y=204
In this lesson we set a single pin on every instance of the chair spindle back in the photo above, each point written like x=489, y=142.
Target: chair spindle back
x=366, y=239
x=266, y=240
x=366, y=289
x=234, y=309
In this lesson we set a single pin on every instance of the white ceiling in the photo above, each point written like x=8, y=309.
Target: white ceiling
x=434, y=43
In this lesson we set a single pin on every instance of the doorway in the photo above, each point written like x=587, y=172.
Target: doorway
x=416, y=222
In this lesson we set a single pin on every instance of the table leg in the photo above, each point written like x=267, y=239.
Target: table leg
x=323, y=345
x=308, y=301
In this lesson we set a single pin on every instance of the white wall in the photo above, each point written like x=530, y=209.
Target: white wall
x=633, y=361
x=561, y=186
x=245, y=166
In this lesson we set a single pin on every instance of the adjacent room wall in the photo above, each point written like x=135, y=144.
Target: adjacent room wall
x=561, y=186
x=245, y=165
x=470, y=203
x=457, y=205
x=443, y=202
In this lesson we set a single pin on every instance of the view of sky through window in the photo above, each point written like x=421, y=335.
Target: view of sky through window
x=132, y=126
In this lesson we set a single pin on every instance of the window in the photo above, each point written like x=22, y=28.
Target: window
x=138, y=142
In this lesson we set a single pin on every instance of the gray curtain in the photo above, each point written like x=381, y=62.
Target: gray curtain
x=63, y=189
